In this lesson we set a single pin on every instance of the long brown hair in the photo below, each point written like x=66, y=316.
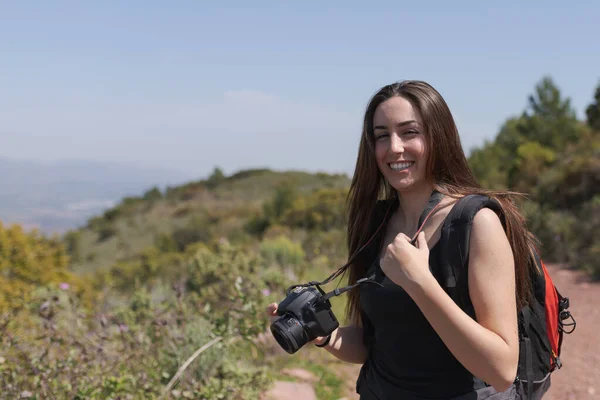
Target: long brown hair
x=447, y=167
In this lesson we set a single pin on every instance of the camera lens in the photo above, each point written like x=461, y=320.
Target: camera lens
x=289, y=333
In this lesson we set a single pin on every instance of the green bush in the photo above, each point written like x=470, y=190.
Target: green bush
x=282, y=251
x=585, y=240
x=133, y=348
x=322, y=210
x=198, y=229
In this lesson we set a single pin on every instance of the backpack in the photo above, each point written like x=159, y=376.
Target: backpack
x=542, y=323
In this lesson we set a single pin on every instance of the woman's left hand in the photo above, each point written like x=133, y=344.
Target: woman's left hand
x=407, y=265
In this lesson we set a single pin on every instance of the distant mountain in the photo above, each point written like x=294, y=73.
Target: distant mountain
x=57, y=196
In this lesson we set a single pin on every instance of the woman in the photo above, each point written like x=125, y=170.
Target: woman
x=413, y=340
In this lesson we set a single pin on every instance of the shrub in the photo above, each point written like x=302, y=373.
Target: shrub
x=27, y=260
x=282, y=251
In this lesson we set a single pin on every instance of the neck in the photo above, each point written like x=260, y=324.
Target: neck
x=412, y=203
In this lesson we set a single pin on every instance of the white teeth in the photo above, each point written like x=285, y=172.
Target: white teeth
x=401, y=166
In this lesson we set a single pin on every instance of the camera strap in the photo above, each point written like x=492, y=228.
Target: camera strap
x=338, y=291
x=432, y=205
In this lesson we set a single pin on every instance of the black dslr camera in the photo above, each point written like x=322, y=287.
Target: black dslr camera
x=305, y=315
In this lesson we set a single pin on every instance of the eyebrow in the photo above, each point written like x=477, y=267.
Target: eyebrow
x=403, y=123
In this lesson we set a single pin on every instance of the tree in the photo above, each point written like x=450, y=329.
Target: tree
x=152, y=194
x=575, y=177
x=215, y=178
x=282, y=200
x=528, y=145
x=550, y=119
x=593, y=111
x=491, y=163
x=531, y=160
x=274, y=209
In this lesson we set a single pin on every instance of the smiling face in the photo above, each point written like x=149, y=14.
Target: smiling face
x=400, y=144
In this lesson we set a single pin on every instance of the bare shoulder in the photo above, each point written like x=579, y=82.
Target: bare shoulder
x=489, y=244
x=487, y=223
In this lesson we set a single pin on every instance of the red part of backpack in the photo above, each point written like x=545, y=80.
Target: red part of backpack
x=551, y=302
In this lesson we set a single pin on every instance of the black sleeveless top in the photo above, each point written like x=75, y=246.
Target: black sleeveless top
x=406, y=357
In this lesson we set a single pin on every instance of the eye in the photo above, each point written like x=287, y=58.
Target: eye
x=410, y=133
x=381, y=135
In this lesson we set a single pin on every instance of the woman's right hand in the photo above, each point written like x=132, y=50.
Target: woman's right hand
x=272, y=314
x=272, y=311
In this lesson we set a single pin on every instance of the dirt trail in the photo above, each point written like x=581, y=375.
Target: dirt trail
x=580, y=376
x=579, y=379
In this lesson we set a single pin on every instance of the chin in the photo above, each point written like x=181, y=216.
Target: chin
x=405, y=185
x=402, y=186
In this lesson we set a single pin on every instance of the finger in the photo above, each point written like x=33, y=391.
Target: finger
x=403, y=236
x=399, y=240
x=421, y=241
x=272, y=309
x=318, y=340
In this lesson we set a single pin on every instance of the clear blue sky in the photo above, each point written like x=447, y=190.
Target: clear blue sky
x=190, y=85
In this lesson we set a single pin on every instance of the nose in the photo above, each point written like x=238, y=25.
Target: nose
x=396, y=144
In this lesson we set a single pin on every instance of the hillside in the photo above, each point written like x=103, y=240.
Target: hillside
x=158, y=276
x=197, y=211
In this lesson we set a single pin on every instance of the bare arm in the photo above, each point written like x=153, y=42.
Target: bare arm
x=488, y=348
x=347, y=344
